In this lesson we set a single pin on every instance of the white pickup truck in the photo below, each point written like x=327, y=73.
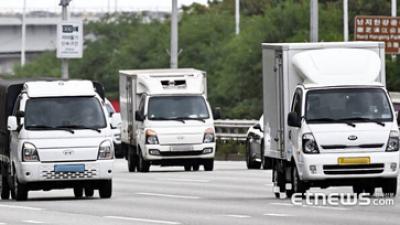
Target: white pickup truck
x=54, y=134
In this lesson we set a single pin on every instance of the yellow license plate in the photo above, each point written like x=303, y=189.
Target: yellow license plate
x=354, y=160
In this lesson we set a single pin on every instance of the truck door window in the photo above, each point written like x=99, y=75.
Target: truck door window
x=296, y=105
x=141, y=105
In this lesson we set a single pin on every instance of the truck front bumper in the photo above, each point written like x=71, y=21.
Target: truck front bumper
x=325, y=166
x=161, y=152
x=43, y=171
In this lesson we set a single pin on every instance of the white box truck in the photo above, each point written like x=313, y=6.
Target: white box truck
x=54, y=135
x=329, y=117
x=166, y=119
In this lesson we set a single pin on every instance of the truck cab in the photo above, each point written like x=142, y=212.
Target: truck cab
x=171, y=122
x=59, y=137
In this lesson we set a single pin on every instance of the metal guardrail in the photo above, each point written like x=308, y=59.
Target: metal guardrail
x=233, y=129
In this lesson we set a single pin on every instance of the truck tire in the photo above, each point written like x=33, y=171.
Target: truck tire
x=20, y=190
x=357, y=189
x=196, y=167
x=105, y=189
x=78, y=192
x=188, y=167
x=89, y=192
x=278, y=179
x=132, y=162
x=5, y=188
x=209, y=165
x=143, y=165
x=251, y=164
x=298, y=185
x=389, y=187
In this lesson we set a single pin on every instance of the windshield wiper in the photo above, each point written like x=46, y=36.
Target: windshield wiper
x=80, y=127
x=330, y=120
x=167, y=118
x=190, y=118
x=366, y=120
x=44, y=127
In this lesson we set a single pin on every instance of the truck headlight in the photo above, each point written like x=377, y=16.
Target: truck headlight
x=29, y=153
x=105, y=150
x=151, y=137
x=393, y=142
x=309, y=144
x=209, y=135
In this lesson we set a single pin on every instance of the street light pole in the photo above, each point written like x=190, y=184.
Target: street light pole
x=237, y=16
x=314, y=20
x=23, y=34
x=64, y=62
x=174, y=34
x=345, y=20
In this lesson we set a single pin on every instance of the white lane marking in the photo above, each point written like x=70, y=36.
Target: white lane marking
x=184, y=180
x=277, y=214
x=33, y=221
x=169, y=196
x=330, y=208
x=142, y=220
x=2, y=223
x=283, y=204
x=21, y=207
x=237, y=216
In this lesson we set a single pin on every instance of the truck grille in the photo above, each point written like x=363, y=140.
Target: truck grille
x=52, y=175
x=353, y=169
x=181, y=153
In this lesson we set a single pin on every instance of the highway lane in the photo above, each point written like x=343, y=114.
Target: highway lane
x=167, y=195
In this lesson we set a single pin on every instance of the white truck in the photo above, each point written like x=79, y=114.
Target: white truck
x=54, y=135
x=329, y=117
x=166, y=119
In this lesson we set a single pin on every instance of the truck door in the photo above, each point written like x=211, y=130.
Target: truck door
x=130, y=110
x=294, y=132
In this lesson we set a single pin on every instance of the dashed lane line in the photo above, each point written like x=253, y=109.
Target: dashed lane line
x=168, y=195
x=237, y=216
x=33, y=221
x=277, y=215
x=143, y=220
x=20, y=207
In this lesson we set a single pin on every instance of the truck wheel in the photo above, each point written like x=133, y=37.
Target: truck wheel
x=143, y=165
x=196, y=167
x=209, y=165
x=105, y=190
x=298, y=185
x=131, y=161
x=251, y=164
x=89, y=192
x=20, y=190
x=389, y=187
x=78, y=192
x=5, y=188
x=188, y=167
x=357, y=189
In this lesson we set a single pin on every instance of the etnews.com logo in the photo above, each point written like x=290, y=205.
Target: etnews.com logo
x=340, y=199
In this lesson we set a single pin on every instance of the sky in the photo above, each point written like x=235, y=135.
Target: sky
x=93, y=5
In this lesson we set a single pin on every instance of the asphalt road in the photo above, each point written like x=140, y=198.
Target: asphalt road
x=230, y=194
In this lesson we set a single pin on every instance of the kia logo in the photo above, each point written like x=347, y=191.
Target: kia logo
x=68, y=152
x=352, y=137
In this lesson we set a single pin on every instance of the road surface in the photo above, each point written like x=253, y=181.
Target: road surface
x=230, y=194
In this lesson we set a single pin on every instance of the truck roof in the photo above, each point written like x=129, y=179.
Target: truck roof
x=319, y=45
x=59, y=88
x=161, y=72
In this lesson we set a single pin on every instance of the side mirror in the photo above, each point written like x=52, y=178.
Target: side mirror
x=257, y=127
x=217, y=113
x=138, y=116
x=294, y=120
x=12, y=124
x=20, y=114
x=115, y=120
x=110, y=114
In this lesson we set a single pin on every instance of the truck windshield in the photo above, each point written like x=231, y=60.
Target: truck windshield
x=64, y=112
x=177, y=107
x=348, y=105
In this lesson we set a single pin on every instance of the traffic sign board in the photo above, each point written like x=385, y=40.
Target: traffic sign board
x=70, y=39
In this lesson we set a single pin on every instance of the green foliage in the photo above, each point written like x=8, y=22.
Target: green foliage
x=208, y=42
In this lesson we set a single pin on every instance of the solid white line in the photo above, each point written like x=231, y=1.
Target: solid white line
x=168, y=196
x=21, y=207
x=238, y=216
x=184, y=180
x=33, y=221
x=142, y=220
x=277, y=214
x=283, y=204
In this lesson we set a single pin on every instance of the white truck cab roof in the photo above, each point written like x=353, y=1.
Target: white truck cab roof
x=36, y=89
x=169, y=81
